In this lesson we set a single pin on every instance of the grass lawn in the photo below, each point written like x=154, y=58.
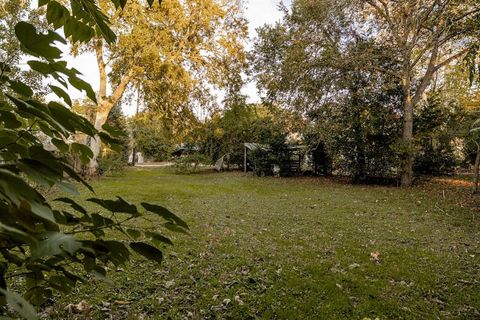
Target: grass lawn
x=272, y=248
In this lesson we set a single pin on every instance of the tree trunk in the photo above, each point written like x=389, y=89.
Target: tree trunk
x=407, y=137
x=476, y=171
x=105, y=104
x=96, y=144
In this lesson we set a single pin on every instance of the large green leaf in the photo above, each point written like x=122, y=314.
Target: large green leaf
x=113, y=143
x=40, y=173
x=148, y=251
x=54, y=244
x=114, y=132
x=84, y=152
x=71, y=121
x=101, y=20
x=158, y=238
x=16, y=191
x=72, y=204
x=37, y=44
x=164, y=213
x=175, y=228
x=19, y=304
x=37, y=109
x=119, y=205
x=16, y=233
x=114, y=251
x=9, y=120
x=61, y=94
x=57, y=14
x=21, y=88
x=83, y=86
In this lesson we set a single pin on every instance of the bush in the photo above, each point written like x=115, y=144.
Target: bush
x=153, y=136
x=437, y=125
x=435, y=160
x=278, y=153
x=239, y=123
x=190, y=163
x=111, y=163
x=263, y=162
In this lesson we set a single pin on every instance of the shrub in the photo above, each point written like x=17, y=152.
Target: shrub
x=263, y=162
x=112, y=162
x=190, y=163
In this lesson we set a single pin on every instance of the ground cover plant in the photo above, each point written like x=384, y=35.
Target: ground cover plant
x=304, y=248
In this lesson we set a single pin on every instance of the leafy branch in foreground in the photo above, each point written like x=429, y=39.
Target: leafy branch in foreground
x=55, y=247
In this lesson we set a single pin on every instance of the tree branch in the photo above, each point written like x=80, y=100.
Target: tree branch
x=451, y=59
x=428, y=75
x=102, y=93
x=118, y=92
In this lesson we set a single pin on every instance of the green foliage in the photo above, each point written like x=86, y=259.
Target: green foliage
x=352, y=112
x=115, y=161
x=154, y=136
x=227, y=132
x=50, y=246
x=359, y=132
x=370, y=56
x=439, y=123
x=190, y=163
x=263, y=161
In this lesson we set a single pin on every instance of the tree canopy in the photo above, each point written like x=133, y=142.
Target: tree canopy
x=302, y=61
x=173, y=53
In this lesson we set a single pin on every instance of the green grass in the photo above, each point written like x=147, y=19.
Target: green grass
x=295, y=249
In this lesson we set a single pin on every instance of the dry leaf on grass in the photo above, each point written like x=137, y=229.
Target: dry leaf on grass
x=375, y=256
x=81, y=307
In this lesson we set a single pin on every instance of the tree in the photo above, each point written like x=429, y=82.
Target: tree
x=156, y=134
x=172, y=52
x=227, y=131
x=40, y=240
x=11, y=13
x=352, y=110
x=424, y=37
x=301, y=59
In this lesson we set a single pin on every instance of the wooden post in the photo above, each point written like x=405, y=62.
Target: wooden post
x=245, y=160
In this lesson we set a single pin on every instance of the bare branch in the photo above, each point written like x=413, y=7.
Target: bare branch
x=451, y=59
x=118, y=92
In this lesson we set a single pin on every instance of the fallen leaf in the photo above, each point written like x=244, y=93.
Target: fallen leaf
x=81, y=307
x=375, y=256
x=169, y=284
x=353, y=266
x=238, y=300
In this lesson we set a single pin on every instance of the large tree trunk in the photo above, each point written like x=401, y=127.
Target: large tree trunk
x=407, y=137
x=105, y=103
x=96, y=144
